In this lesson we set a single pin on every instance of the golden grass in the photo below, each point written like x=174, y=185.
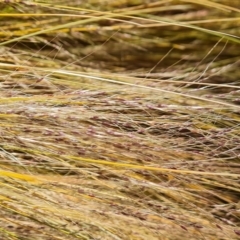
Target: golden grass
x=119, y=120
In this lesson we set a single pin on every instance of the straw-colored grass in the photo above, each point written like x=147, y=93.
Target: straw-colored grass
x=119, y=120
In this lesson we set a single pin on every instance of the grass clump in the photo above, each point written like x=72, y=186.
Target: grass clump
x=119, y=120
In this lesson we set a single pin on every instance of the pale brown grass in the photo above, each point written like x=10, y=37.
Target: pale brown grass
x=119, y=120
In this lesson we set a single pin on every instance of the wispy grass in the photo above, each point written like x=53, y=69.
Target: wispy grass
x=119, y=120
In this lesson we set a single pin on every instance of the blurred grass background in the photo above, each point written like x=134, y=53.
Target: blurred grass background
x=120, y=119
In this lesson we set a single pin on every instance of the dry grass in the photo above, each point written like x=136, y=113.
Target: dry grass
x=120, y=120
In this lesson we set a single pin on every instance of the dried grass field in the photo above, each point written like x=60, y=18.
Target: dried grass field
x=120, y=120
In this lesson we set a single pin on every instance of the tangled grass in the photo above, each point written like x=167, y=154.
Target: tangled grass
x=120, y=120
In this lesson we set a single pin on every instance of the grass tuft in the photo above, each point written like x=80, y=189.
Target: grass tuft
x=119, y=120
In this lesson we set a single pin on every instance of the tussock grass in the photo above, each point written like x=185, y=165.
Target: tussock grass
x=119, y=120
